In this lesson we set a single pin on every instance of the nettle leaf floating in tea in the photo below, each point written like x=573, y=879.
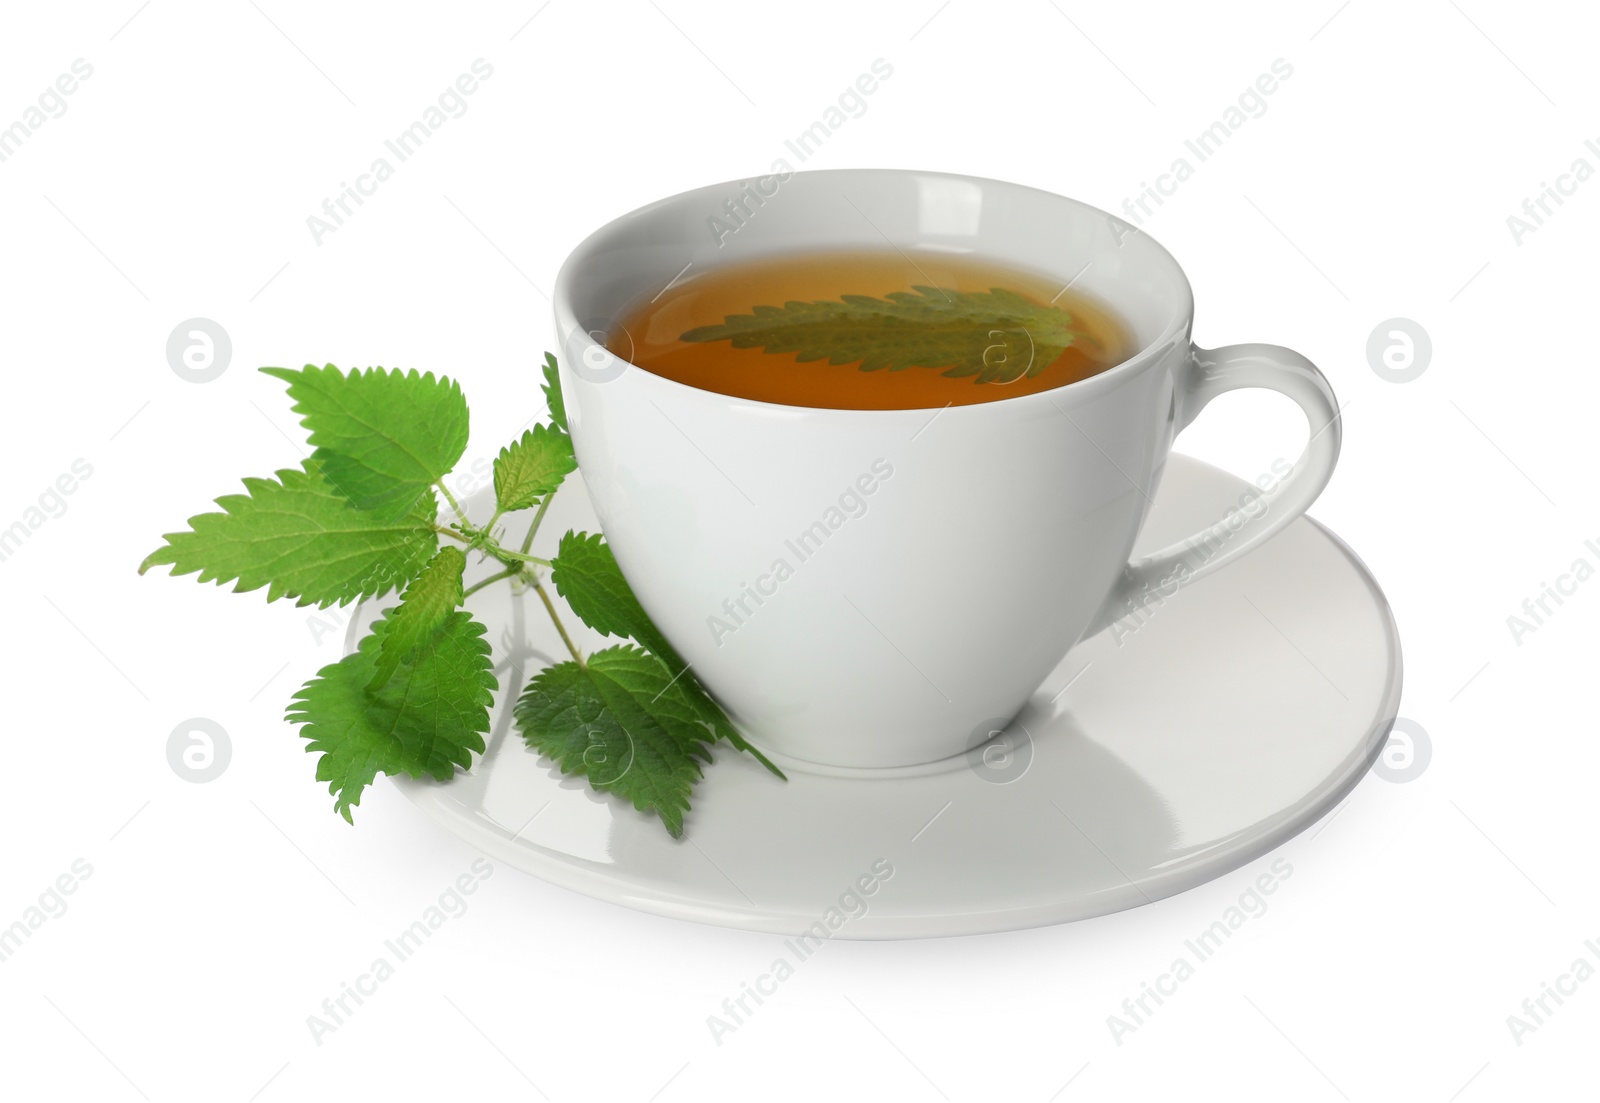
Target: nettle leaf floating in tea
x=998, y=336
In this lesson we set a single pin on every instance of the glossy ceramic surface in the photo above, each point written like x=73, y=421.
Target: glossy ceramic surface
x=1159, y=754
x=840, y=578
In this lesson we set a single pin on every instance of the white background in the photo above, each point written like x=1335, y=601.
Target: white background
x=219, y=916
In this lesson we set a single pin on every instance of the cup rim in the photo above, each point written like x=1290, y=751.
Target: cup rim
x=1151, y=352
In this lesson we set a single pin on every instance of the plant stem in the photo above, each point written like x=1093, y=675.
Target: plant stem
x=527, y=541
x=551, y=609
x=509, y=572
x=513, y=560
x=461, y=514
x=505, y=554
x=481, y=539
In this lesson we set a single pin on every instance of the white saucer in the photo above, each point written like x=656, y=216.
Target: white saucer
x=1243, y=709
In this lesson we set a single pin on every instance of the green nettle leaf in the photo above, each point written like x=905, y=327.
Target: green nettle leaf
x=621, y=721
x=424, y=609
x=552, y=393
x=587, y=576
x=528, y=469
x=428, y=719
x=300, y=538
x=711, y=713
x=383, y=437
x=996, y=335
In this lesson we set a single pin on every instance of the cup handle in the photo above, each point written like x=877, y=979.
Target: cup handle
x=1213, y=372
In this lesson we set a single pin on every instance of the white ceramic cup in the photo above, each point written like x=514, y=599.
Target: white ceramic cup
x=871, y=588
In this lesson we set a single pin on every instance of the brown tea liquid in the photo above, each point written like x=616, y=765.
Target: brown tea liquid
x=652, y=335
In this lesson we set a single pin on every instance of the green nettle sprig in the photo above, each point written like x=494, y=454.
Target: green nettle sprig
x=359, y=520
